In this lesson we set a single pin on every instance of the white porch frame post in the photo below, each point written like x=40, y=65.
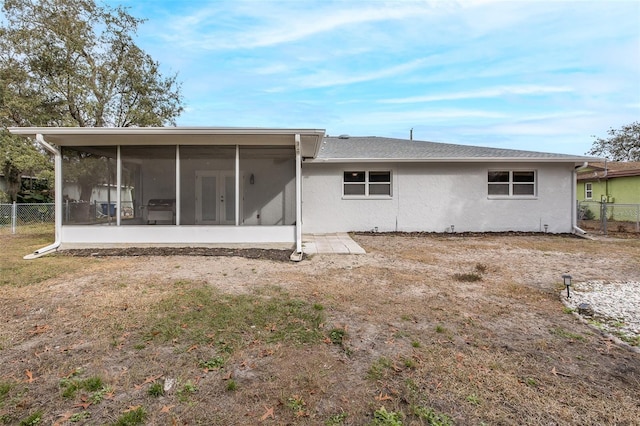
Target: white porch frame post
x=237, y=200
x=118, y=187
x=57, y=160
x=177, y=185
x=298, y=195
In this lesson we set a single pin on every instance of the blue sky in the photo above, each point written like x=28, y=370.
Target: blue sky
x=541, y=76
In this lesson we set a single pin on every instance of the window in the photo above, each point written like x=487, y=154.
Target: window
x=588, y=190
x=512, y=183
x=362, y=183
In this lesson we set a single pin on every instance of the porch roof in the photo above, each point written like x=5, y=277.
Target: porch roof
x=310, y=139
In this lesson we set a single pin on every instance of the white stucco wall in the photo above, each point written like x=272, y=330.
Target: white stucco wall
x=433, y=196
x=271, y=199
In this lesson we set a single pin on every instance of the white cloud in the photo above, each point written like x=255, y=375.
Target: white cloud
x=329, y=78
x=248, y=25
x=482, y=93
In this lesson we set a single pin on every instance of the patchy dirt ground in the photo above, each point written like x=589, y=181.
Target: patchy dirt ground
x=467, y=327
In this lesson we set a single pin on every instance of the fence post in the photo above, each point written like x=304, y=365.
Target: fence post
x=638, y=218
x=14, y=215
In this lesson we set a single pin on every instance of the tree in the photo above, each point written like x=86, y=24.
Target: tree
x=74, y=63
x=622, y=144
x=79, y=66
x=18, y=156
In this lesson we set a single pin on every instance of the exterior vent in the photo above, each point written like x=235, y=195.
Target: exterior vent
x=343, y=137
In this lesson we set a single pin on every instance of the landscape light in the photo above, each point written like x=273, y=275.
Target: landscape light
x=567, y=283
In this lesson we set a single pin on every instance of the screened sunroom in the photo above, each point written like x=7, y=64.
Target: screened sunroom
x=180, y=186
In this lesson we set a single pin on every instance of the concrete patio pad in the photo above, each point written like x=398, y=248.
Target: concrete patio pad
x=338, y=243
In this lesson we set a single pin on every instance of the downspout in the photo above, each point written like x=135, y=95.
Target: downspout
x=606, y=181
x=58, y=200
x=297, y=255
x=574, y=201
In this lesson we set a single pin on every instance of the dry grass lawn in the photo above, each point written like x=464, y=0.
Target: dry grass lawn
x=422, y=330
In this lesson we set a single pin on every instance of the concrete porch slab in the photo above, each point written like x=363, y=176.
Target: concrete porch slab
x=337, y=243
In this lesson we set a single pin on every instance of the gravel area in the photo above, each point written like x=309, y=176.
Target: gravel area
x=615, y=305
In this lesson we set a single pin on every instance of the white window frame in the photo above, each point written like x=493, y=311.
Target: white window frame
x=510, y=195
x=367, y=185
x=588, y=191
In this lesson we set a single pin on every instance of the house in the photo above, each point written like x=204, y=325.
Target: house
x=611, y=182
x=31, y=189
x=200, y=186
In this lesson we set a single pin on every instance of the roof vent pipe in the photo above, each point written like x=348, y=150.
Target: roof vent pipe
x=411, y=134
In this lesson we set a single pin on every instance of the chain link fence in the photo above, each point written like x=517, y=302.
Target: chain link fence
x=608, y=218
x=18, y=218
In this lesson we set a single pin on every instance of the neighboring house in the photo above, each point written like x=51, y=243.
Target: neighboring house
x=26, y=182
x=612, y=182
x=102, y=196
x=249, y=185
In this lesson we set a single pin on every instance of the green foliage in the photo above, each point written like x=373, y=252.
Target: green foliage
x=212, y=364
x=5, y=388
x=132, y=417
x=337, y=335
x=75, y=63
x=225, y=320
x=186, y=390
x=94, y=386
x=32, y=420
x=379, y=368
x=78, y=417
x=561, y=332
x=336, y=419
x=382, y=417
x=156, y=390
x=296, y=403
x=430, y=416
x=473, y=399
x=18, y=157
x=622, y=144
x=232, y=385
x=587, y=214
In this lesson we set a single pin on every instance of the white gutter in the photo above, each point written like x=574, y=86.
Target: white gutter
x=58, y=200
x=574, y=200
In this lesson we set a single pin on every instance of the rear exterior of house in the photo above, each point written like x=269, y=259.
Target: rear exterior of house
x=202, y=186
x=369, y=184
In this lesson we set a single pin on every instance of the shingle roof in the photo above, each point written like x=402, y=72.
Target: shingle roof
x=613, y=169
x=373, y=148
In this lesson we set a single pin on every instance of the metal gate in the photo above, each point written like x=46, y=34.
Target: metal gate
x=606, y=218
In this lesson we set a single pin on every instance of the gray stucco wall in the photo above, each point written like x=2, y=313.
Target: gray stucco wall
x=431, y=197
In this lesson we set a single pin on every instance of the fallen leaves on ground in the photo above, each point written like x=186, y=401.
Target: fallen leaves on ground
x=267, y=414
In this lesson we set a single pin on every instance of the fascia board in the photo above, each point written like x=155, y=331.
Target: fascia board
x=74, y=136
x=161, y=131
